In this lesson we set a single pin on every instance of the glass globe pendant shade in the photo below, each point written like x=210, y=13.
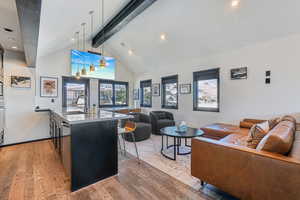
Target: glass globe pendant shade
x=92, y=68
x=102, y=63
x=83, y=71
x=77, y=75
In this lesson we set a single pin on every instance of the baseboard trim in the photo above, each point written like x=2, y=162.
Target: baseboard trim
x=30, y=141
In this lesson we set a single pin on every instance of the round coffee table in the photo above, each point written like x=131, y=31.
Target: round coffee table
x=172, y=131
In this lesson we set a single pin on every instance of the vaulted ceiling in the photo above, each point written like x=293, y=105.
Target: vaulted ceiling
x=194, y=29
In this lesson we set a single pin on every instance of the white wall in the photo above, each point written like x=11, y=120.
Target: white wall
x=241, y=98
x=22, y=124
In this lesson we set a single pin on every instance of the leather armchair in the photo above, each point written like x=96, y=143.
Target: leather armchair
x=161, y=119
x=143, y=127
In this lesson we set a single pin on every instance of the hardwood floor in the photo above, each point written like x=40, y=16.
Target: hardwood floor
x=33, y=171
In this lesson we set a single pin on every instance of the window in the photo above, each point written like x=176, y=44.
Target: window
x=206, y=90
x=146, y=93
x=106, y=94
x=113, y=93
x=121, y=94
x=75, y=93
x=170, y=92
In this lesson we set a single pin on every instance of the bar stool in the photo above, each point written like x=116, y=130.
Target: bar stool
x=128, y=129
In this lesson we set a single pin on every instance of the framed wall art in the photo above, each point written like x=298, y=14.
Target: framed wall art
x=185, y=88
x=48, y=86
x=156, y=89
x=20, y=81
x=1, y=88
x=239, y=73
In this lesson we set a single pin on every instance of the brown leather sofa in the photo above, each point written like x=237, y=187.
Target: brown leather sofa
x=252, y=174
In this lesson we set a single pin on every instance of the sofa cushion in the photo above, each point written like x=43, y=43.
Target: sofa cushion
x=136, y=117
x=279, y=139
x=143, y=125
x=164, y=123
x=273, y=122
x=256, y=134
x=236, y=139
x=289, y=118
x=161, y=115
x=244, y=124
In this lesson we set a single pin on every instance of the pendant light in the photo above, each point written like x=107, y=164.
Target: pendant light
x=77, y=76
x=102, y=60
x=92, y=66
x=83, y=70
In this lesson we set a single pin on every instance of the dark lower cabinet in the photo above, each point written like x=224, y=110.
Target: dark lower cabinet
x=88, y=151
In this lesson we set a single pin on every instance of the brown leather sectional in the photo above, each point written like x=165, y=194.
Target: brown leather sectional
x=271, y=171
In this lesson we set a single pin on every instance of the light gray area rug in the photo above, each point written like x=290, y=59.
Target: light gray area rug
x=149, y=151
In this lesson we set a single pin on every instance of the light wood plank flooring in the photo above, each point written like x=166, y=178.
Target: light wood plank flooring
x=33, y=171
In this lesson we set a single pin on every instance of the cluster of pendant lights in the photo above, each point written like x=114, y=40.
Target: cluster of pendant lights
x=102, y=62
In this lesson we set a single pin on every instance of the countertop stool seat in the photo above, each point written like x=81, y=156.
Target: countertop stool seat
x=129, y=128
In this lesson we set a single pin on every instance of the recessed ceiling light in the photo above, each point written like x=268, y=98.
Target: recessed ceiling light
x=14, y=47
x=8, y=30
x=235, y=3
x=72, y=39
x=163, y=36
x=130, y=52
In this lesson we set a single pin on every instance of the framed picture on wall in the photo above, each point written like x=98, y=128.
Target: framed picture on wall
x=239, y=73
x=20, y=81
x=185, y=88
x=1, y=88
x=48, y=86
x=156, y=89
x=136, y=94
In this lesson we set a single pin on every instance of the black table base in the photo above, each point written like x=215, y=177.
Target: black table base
x=176, y=147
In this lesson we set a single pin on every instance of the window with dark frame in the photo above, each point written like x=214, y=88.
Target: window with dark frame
x=146, y=93
x=113, y=93
x=75, y=93
x=206, y=95
x=169, y=92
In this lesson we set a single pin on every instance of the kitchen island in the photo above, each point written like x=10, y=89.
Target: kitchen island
x=87, y=144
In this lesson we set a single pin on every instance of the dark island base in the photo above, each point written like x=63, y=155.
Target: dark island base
x=94, y=152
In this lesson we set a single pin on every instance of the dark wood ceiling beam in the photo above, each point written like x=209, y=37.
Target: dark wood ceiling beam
x=29, y=12
x=120, y=20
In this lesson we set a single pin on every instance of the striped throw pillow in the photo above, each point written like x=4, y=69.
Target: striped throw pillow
x=256, y=134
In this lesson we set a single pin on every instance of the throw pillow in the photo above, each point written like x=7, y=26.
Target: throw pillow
x=289, y=118
x=273, y=122
x=256, y=134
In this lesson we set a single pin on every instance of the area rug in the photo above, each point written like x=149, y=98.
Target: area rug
x=149, y=151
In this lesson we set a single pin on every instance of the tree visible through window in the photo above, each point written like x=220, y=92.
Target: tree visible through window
x=206, y=90
x=170, y=92
x=146, y=93
x=147, y=96
x=113, y=93
x=207, y=93
x=121, y=94
x=106, y=94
